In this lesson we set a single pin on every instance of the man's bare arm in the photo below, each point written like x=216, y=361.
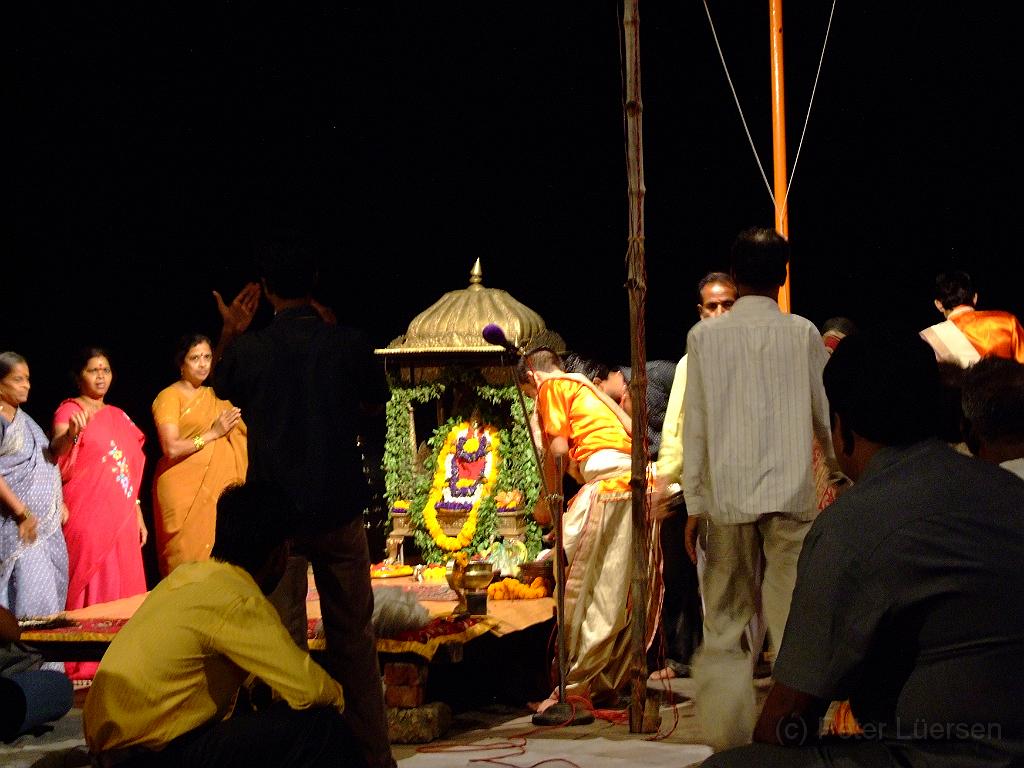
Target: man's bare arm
x=9, y=629
x=553, y=465
x=790, y=718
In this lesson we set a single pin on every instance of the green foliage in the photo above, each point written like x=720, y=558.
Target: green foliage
x=498, y=406
x=519, y=466
x=399, y=453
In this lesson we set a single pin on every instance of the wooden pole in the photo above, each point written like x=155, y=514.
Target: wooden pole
x=636, y=284
x=779, y=136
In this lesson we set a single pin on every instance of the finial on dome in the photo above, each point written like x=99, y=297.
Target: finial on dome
x=453, y=323
x=476, y=274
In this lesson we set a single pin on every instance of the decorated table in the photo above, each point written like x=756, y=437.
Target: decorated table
x=88, y=631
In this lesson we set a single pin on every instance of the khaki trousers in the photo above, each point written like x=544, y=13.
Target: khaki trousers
x=722, y=666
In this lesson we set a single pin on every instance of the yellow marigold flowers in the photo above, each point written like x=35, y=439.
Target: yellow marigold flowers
x=509, y=499
x=467, y=468
x=513, y=589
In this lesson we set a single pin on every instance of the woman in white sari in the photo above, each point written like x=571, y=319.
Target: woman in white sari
x=33, y=556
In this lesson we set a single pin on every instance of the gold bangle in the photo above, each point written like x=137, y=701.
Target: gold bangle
x=198, y=442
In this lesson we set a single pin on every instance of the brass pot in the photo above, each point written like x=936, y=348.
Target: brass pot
x=478, y=574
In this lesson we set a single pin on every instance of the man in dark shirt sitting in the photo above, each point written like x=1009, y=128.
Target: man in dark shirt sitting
x=909, y=598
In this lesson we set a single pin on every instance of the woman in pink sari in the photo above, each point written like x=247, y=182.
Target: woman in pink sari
x=99, y=452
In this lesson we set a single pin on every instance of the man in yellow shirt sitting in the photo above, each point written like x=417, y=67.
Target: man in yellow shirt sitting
x=164, y=691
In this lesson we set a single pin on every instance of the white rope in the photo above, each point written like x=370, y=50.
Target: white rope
x=736, y=98
x=807, y=117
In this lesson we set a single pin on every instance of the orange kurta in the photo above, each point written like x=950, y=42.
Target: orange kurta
x=597, y=538
x=992, y=333
x=185, y=490
x=574, y=411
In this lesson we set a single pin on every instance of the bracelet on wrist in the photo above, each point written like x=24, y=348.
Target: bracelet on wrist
x=198, y=442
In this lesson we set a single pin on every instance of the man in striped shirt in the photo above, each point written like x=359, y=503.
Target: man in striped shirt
x=754, y=399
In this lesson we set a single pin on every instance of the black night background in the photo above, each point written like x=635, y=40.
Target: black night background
x=151, y=143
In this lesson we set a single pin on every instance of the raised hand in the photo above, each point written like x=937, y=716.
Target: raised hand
x=237, y=315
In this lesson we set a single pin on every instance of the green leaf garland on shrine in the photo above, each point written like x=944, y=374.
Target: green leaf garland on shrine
x=498, y=406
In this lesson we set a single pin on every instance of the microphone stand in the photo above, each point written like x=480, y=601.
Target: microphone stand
x=561, y=713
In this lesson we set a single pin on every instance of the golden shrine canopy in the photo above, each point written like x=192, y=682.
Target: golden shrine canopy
x=454, y=323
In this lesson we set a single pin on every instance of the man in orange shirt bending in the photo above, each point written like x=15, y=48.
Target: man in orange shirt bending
x=967, y=335
x=579, y=422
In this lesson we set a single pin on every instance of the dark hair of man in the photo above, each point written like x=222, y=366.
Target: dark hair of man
x=954, y=288
x=993, y=399
x=253, y=519
x=573, y=363
x=288, y=267
x=541, y=359
x=841, y=325
x=759, y=258
x=185, y=343
x=883, y=388
x=715, y=277
x=7, y=362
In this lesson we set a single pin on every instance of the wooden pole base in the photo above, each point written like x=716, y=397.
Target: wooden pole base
x=563, y=714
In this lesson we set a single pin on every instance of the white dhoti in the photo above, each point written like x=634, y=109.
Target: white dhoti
x=597, y=531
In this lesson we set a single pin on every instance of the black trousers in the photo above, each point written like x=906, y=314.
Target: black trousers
x=681, y=616
x=341, y=569
x=278, y=736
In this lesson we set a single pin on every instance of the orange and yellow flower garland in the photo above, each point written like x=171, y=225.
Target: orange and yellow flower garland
x=463, y=439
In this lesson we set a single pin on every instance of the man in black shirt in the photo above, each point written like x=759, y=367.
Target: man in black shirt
x=304, y=385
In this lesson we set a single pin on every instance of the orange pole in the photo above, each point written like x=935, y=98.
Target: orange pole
x=779, y=136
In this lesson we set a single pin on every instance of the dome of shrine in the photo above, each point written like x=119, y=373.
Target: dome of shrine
x=453, y=324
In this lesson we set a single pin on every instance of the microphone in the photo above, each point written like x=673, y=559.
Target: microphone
x=493, y=334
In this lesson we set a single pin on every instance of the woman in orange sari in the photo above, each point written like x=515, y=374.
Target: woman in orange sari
x=204, y=446
x=99, y=453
